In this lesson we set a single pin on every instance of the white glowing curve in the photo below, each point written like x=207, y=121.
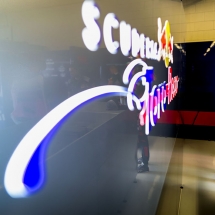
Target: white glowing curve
x=131, y=86
x=130, y=90
x=152, y=105
x=134, y=80
x=130, y=99
x=13, y=179
x=158, y=103
x=137, y=101
x=146, y=84
x=163, y=100
x=128, y=69
x=162, y=97
x=145, y=110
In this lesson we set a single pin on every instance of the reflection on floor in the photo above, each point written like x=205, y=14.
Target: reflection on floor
x=104, y=181
x=144, y=194
x=198, y=178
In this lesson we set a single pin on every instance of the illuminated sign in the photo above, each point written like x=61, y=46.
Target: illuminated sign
x=165, y=43
x=156, y=101
x=138, y=45
x=25, y=172
x=130, y=39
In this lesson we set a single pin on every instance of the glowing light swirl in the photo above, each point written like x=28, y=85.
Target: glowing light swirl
x=129, y=68
x=134, y=79
x=22, y=155
x=46, y=127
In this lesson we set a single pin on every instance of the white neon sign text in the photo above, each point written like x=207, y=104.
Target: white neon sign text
x=109, y=23
x=91, y=34
x=125, y=38
x=130, y=39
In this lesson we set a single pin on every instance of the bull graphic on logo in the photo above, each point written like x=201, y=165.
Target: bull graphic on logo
x=165, y=41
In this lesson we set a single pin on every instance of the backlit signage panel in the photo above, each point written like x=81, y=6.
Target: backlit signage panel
x=18, y=180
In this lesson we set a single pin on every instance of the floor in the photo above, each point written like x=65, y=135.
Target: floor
x=144, y=191
x=198, y=195
x=144, y=194
x=141, y=196
x=104, y=181
x=198, y=180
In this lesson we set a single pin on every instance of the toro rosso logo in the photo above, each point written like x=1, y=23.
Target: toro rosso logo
x=25, y=172
x=165, y=41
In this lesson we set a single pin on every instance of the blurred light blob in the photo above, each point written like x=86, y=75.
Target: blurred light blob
x=19, y=161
